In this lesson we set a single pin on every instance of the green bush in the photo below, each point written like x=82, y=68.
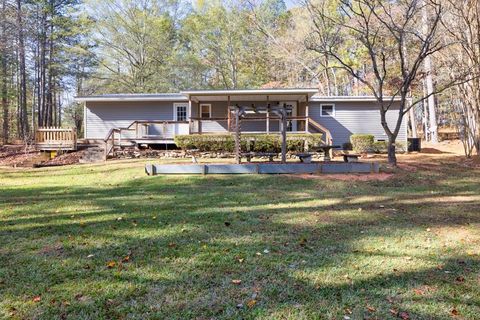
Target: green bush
x=258, y=142
x=382, y=146
x=362, y=142
x=347, y=146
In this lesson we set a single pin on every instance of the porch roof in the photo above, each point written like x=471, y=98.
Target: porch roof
x=251, y=95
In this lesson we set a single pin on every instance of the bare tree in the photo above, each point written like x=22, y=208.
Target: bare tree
x=378, y=32
x=23, y=127
x=4, y=71
x=432, y=119
x=462, y=25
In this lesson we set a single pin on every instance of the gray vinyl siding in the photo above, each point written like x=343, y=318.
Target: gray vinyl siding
x=356, y=117
x=350, y=117
x=103, y=116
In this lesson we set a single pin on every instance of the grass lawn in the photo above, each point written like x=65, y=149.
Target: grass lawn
x=109, y=242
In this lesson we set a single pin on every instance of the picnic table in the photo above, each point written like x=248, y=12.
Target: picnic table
x=325, y=149
x=350, y=157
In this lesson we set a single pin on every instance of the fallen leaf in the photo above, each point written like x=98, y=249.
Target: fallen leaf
x=404, y=315
x=111, y=264
x=251, y=303
x=36, y=299
x=126, y=259
x=236, y=281
x=394, y=312
x=420, y=292
x=454, y=312
x=460, y=279
x=371, y=309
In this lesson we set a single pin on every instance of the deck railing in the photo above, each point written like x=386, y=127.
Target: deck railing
x=54, y=138
x=115, y=135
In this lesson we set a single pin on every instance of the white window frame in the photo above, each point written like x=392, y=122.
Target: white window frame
x=180, y=104
x=209, y=110
x=333, y=110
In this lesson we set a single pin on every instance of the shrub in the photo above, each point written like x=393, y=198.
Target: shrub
x=362, y=142
x=258, y=142
x=382, y=146
x=347, y=146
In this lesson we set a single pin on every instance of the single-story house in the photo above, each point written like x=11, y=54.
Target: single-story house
x=157, y=118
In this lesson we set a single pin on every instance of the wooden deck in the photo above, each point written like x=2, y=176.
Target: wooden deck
x=55, y=139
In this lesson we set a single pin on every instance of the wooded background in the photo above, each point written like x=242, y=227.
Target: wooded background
x=426, y=51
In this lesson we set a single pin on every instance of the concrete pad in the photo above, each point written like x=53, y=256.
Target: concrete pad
x=232, y=168
x=288, y=168
x=263, y=168
x=178, y=169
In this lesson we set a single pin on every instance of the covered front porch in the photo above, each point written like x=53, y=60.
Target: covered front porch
x=213, y=111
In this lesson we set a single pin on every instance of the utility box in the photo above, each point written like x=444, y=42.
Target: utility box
x=414, y=144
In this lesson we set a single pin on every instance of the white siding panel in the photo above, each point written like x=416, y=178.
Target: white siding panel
x=357, y=117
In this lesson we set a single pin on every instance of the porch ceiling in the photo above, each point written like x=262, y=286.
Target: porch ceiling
x=250, y=95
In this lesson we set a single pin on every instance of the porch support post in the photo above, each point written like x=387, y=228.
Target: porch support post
x=190, y=122
x=306, y=114
x=268, y=115
x=237, y=135
x=229, y=117
x=283, y=113
x=199, y=116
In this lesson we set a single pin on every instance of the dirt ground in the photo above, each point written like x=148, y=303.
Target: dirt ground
x=446, y=151
x=27, y=156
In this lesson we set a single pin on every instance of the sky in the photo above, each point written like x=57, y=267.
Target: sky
x=291, y=3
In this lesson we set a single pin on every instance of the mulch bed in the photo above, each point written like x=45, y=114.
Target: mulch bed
x=27, y=156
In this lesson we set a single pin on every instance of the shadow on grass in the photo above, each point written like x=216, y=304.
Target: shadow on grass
x=302, y=249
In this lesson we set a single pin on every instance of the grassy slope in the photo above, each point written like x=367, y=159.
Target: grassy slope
x=332, y=249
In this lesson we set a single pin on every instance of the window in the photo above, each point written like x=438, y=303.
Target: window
x=327, y=110
x=206, y=110
x=181, y=112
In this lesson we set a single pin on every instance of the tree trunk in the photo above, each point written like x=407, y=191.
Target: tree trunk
x=392, y=156
x=429, y=81
x=6, y=129
x=413, y=122
x=4, y=77
x=23, y=119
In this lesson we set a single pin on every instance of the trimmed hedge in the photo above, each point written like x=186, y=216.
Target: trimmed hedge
x=362, y=143
x=382, y=147
x=258, y=142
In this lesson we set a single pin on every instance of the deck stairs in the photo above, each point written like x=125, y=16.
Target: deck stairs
x=93, y=155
